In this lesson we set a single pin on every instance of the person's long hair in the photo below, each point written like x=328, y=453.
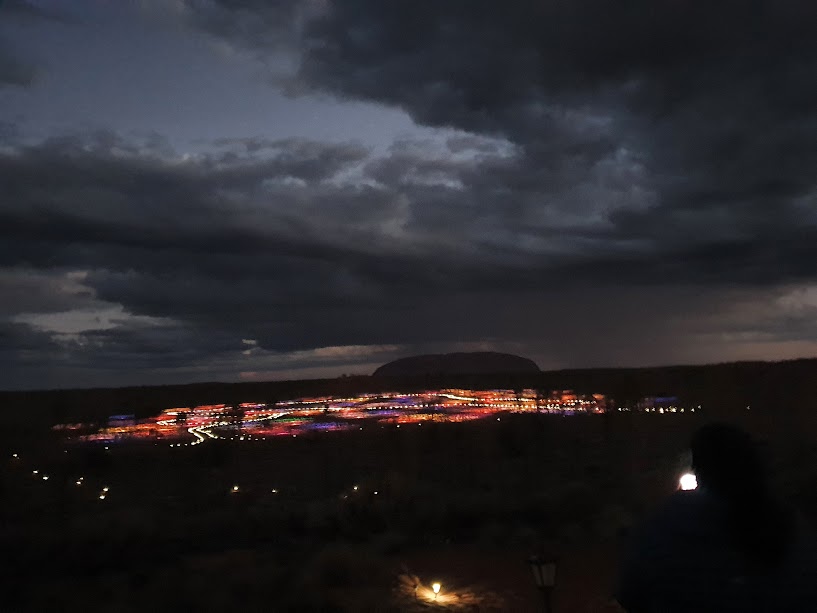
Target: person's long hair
x=728, y=463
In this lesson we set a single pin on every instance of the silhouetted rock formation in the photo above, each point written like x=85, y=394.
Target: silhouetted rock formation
x=476, y=363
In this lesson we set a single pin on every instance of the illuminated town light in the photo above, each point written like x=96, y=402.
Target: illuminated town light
x=457, y=405
x=235, y=488
x=45, y=477
x=436, y=589
x=35, y=472
x=102, y=496
x=14, y=455
x=105, y=489
x=688, y=482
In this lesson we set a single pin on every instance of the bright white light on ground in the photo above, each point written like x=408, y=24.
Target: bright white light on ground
x=436, y=587
x=235, y=488
x=688, y=482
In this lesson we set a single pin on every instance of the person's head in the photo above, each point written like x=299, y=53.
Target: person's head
x=726, y=460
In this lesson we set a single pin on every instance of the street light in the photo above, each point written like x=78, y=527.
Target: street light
x=544, y=576
x=436, y=588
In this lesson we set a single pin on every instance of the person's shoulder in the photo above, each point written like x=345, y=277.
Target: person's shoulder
x=685, y=508
x=797, y=583
x=805, y=544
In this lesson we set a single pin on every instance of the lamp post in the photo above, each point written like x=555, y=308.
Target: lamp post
x=544, y=576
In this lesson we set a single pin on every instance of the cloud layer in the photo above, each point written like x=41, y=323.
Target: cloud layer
x=604, y=187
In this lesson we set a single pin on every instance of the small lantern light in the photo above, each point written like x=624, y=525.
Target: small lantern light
x=544, y=577
x=435, y=587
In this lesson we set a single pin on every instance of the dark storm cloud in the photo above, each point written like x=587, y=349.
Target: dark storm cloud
x=701, y=116
x=13, y=69
x=275, y=247
x=608, y=186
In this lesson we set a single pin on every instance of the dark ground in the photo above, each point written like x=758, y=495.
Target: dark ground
x=460, y=503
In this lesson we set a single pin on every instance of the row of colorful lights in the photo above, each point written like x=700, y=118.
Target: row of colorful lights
x=256, y=421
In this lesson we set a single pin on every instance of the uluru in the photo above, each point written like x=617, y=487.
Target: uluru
x=472, y=363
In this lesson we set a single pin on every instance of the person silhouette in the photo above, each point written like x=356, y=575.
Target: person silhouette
x=729, y=545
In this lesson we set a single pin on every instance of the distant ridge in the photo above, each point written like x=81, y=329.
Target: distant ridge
x=473, y=363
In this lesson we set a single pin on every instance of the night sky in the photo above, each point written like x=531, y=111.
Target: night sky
x=197, y=190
